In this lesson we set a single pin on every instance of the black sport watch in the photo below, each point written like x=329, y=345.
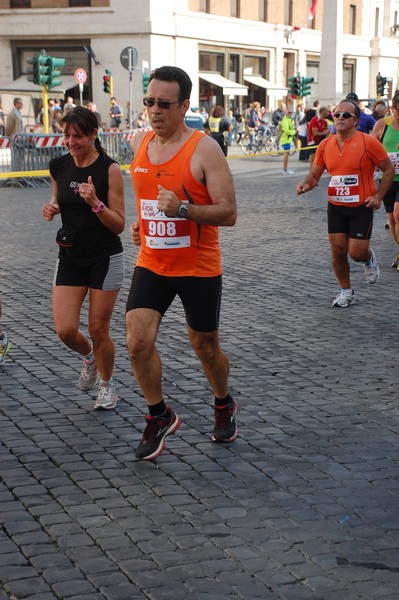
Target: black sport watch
x=182, y=211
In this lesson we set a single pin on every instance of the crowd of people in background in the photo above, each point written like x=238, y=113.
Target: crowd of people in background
x=252, y=119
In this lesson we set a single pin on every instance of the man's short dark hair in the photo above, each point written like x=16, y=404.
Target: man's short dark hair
x=168, y=73
x=16, y=100
x=353, y=97
x=356, y=108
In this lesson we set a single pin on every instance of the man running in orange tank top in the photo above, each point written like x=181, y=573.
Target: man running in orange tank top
x=184, y=192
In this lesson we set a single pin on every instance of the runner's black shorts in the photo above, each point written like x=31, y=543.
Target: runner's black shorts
x=355, y=222
x=391, y=197
x=104, y=273
x=200, y=296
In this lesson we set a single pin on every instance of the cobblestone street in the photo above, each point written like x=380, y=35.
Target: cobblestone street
x=304, y=505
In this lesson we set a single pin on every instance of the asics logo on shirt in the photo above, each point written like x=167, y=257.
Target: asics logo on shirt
x=140, y=170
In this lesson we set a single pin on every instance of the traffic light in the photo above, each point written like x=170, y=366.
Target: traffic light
x=33, y=70
x=40, y=69
x=146, y=79
x=107, y=81
x=54, y=64
x=305, y=86
x=381, y=83
x=295, y=86
x=44, y=70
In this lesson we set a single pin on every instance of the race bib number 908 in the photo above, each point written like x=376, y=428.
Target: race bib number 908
x=162, y=232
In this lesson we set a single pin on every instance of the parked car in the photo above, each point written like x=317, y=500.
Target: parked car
x=194, y=120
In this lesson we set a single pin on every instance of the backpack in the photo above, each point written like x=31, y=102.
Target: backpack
x=253, y=118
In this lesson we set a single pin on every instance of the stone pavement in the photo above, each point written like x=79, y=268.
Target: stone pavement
x=304, y=505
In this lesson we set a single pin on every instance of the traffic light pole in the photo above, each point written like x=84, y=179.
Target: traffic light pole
x=45, y=109
x=111, y=88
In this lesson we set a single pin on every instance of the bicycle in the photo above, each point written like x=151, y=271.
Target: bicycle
x=260, y=143
x=278, y=151
x=268, y=143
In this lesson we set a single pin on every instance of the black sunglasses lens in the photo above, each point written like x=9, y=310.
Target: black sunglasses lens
x=161, y=104
x=344, y=115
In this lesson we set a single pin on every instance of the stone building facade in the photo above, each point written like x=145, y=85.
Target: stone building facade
x=234, y=50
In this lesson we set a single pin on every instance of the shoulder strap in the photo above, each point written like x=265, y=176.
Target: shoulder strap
x=383, y=132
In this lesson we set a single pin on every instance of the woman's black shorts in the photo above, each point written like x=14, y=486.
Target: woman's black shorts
x=104, y=273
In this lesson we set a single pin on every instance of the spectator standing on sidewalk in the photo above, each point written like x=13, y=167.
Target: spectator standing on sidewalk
x=184, y=191
x=88, y=192
x=350, y=157
x=69, y=105
x=218, y=127
x=14, y=123
x=287, y=135
x=318, y=130
x=115, y=113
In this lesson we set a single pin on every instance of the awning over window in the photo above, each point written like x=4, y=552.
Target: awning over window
x=230, y=88
x=264, y=83
x=22, y=85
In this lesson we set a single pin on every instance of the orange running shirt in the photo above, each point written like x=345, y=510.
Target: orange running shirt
x=351, y=168
x=173, y=247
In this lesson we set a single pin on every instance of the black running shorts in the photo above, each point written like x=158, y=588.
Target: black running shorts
x=391, y=197
x=356, y=222
x=105, y=273
x=200, y=296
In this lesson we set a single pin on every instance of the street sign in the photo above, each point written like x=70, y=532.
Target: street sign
x=129, y=58
x=80, y=76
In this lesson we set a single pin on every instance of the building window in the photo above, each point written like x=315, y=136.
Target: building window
x=211, y=61
x=255, y=65
x=290, y=20
x=312, y=70
x=348, y=78
x=234, y=67
x=352, y=19
x=263, y=10
x=235, y=8
x=20, y=4
x=376, y=22
x=75, y=3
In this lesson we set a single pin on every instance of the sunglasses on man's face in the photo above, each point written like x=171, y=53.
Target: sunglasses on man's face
x=344, y=115
x=150, y=102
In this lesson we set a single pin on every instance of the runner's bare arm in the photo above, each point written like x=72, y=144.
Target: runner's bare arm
x=311, y=180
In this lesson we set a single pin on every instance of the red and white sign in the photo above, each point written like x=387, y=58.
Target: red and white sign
x=80, y=76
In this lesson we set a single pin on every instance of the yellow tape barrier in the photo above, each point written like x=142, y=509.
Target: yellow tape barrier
x=46, y=173
x=42, y=173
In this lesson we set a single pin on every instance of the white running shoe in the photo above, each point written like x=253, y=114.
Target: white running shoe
x=89, y=376
x=287, y=172
x=344, y=298
x=106, y=397
x=372, y=271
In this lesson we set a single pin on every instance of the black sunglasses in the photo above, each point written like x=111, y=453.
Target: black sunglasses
x=150, y=102
x=344, y=115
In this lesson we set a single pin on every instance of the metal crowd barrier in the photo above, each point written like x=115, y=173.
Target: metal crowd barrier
x=25, y=157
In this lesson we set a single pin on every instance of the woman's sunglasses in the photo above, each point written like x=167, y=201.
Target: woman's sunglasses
x=150, y=102
x=344, y=115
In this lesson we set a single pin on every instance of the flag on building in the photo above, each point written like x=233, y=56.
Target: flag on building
x=312, y=11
